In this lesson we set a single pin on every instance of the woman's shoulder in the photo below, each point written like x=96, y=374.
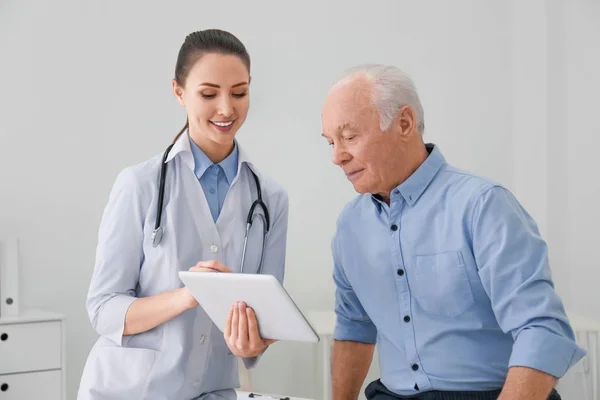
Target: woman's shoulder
x=271, y=188
x=139, y=178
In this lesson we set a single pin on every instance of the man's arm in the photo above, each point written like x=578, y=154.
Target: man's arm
x=512, y=262
x=354, y=336
x=524, y=383
x=350, y=362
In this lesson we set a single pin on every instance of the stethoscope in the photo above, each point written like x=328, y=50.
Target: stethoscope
x=158, y=229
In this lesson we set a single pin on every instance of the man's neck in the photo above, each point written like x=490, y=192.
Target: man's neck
x=412, y=160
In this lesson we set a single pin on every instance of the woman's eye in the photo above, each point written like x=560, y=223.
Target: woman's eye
x=239, y=95
x=208, y=96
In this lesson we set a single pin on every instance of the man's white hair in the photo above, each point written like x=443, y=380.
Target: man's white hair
x=392, y=89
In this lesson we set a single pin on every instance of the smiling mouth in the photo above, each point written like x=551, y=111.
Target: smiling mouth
x=222, y=124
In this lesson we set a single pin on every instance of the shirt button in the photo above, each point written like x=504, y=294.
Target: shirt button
x=214, y=248
x=202, y=339
x=415, y=367
x=394, y=227
x=212, y=190
x=400, y=272
x=196, y=383
x=407, y=319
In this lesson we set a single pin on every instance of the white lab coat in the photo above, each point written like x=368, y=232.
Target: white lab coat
x=186, y=357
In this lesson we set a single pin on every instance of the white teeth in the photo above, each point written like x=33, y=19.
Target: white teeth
x=223, y=124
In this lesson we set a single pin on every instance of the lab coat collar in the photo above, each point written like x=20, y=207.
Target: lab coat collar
x=183, y=148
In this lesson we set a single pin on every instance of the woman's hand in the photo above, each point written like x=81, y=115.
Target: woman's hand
x=186, y=299
x=209, y=266
x=241, y=332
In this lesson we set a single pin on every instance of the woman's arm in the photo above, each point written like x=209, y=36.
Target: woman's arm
x=149, y=312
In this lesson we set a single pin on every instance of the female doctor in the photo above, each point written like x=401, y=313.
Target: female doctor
x=155, y=342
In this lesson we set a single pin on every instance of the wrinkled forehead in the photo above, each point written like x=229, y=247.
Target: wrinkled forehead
x=348, y=105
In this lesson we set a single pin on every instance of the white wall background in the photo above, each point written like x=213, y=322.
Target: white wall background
x=509, y=91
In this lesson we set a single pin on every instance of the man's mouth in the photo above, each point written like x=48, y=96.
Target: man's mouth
x=353, y=175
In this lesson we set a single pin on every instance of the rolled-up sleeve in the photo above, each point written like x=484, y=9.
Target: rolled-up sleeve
x=275, y=251
x=352, y=321
x=119, y=255
x=512, y=259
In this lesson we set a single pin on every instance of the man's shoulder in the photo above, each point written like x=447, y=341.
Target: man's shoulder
x=465, y=183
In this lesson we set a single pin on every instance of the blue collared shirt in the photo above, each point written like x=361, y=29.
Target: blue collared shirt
x=451, y=281
x=214, y=178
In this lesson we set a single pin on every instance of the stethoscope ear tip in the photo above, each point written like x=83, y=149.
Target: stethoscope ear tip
x=157, y=236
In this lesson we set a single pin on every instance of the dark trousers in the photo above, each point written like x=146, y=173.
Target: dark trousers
x=377, y=391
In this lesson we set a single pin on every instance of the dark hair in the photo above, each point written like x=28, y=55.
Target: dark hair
x=199, y=43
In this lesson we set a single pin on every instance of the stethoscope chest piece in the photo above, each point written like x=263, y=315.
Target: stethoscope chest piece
x=157, y=236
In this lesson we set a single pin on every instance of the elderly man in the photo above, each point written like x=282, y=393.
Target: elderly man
x=442, y=269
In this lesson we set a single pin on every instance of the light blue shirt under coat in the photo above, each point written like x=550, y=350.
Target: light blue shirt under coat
x=214, y=178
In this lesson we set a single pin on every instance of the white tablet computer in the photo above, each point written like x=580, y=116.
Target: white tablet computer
x=278, y=316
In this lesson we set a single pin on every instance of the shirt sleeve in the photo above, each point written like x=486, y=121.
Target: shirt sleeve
x=118, y=258
x=352, y=322
x=512, y=259
x=275, y=252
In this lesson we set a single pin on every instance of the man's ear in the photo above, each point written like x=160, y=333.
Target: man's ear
x=406, y=121
x=178, y=92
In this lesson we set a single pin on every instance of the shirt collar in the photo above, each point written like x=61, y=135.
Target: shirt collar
x=202, y=162
x=183, y=148
x=412, y=188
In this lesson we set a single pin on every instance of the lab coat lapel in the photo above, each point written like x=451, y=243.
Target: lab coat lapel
x=237, y=195
x=192, y=190
x=198, y=206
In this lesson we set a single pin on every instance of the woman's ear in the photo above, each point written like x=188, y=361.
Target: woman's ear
x=178, y=92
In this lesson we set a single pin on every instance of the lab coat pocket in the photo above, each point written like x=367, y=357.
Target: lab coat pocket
x=441, y=284
x=117, y=373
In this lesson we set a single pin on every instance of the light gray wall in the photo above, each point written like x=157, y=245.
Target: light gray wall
x=85, y=91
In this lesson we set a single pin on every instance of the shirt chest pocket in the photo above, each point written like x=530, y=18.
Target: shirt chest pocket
x=440, y=284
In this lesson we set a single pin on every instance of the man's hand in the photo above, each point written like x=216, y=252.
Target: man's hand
x=241, y=332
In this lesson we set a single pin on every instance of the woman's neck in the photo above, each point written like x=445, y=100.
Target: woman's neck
x=216, y=152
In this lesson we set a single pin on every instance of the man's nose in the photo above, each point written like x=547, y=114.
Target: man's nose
x=340, y=155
